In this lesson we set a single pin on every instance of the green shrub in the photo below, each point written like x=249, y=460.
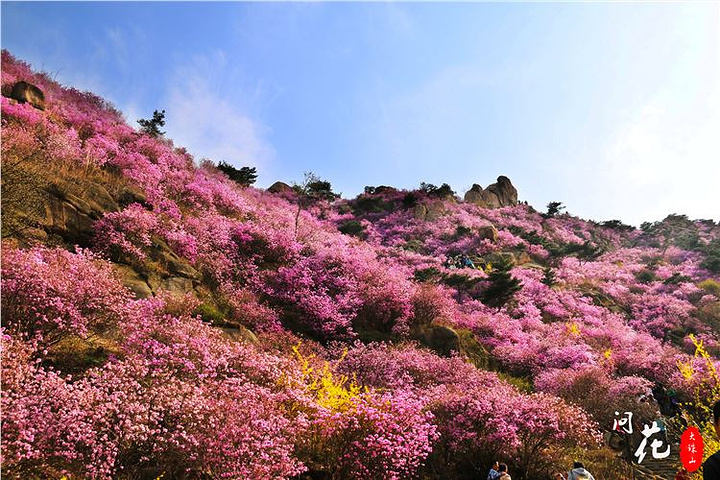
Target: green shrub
x=244, y=176
x=645, y=276
x=427, y=274
x=521, y=383
x=209, y=314
x=410, y=200
x=460, y=281
x=442, y=191
x=711, y=286
x=152, y=126
x=554, y=208
x=353, y=228
x=712, y=256
x=617, y=225
x=503, y=285
x=676, y=278
x=549, y=277
x=414, y=245
x=369, y=204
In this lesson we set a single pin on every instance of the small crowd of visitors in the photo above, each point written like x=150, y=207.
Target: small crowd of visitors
x=499, y=471
x=459, y=261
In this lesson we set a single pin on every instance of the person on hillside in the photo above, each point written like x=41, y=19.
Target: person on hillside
x=579, y=473
x=493, y=474
x=502, y=468
x=466, y=262
x=711, y=467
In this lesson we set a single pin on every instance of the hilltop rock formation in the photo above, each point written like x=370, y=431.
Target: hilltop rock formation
x=382, y=189
x=279, y=187
x=499, y=194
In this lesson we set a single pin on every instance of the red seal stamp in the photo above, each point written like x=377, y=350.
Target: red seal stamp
x=691, y=449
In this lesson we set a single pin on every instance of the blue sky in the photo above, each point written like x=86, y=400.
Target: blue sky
x=613, y=109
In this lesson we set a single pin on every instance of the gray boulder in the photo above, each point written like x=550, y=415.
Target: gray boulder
x=25, y=92
x=280, y=187
x=499, y=194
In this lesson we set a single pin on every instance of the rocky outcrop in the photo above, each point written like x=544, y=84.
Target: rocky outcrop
x=171, y=262
x=444, y=340
x=384, y=189
x=146, y=285
x=420, y=211
x=240, y=334
x=70, y=213
x=280, y=187
x=487, y=232
x=72, y=208
x=523, y=258
x=499, y=194
x=25, y=92
x=432, y=333
x=176, y=285
x=429, y=211
x=504, y=190
x=130, y=195
x=132, y=280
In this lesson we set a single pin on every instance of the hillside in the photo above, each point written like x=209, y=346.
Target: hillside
x=161, y=320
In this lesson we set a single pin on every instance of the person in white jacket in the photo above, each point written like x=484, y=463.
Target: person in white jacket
x=579, y=473
x=503, y=472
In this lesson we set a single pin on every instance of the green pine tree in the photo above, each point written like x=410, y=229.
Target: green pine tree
x=503, y=285
x=549, y=278
x=244, y=176
x=152, y=127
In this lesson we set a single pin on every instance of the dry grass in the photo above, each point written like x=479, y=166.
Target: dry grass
x=74, y=355
x=24, y=191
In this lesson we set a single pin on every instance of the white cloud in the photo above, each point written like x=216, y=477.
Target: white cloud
x=212, y=121
x=665, y=158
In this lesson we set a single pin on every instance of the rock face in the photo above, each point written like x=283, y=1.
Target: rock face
x=130, y=195
x=429, y=211
x=280, y=187
x=71, y=210
x=499, y=194
x=420, y=211
x=70, y=216
x=444, y=340
x=132, y=280
x=25, y=92
x=488, y=232
x=177, y=285
x=504, y=190
x=240, y=334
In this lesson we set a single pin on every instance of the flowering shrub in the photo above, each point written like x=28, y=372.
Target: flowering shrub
x=478, y=417
x=179, y=398
x=361, y=433
x=50, y=426
x=379, y=436
x=50, y=294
